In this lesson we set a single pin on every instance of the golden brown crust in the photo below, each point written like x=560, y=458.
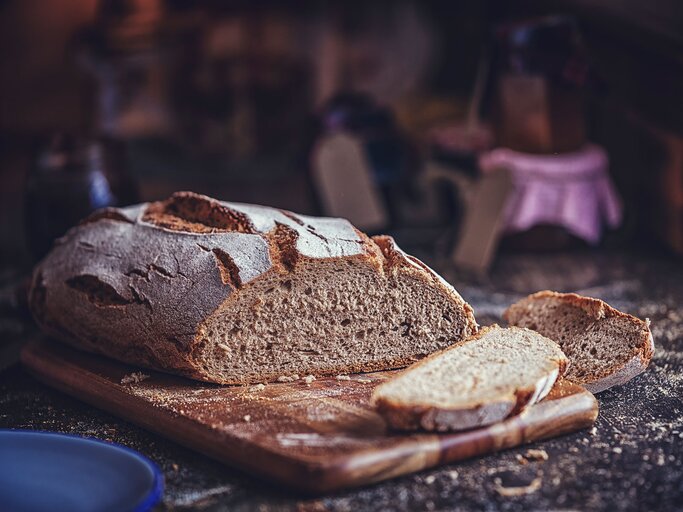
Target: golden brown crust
x=193, y=213
x=593, y=307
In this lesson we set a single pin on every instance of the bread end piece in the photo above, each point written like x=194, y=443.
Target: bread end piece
x=606, y=347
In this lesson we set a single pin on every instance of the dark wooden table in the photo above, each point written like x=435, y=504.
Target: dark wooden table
x=632, y=460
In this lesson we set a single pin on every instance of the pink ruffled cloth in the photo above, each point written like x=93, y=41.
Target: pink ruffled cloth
x=572, y=190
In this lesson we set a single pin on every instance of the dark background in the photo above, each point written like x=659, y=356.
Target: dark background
x=203, y=61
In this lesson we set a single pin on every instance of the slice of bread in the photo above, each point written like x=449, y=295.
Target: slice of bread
x=476, y=382
x=606, y=347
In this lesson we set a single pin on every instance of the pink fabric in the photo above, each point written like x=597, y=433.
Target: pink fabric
x=572, y=190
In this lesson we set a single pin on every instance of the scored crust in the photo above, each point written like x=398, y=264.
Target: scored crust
x=153, y=283
x=408, y=416
x=628, y=363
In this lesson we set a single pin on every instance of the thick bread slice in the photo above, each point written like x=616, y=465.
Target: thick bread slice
x=234, y=293
x=606, y=347
x=479, y=381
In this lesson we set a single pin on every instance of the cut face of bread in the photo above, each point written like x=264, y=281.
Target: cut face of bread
x=237, y=294
x=606, y=347
x=477, y=382
x=329, y=317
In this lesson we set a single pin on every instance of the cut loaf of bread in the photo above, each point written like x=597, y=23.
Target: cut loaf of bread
x=606, y=347
x=476, y=382
x=235, y=293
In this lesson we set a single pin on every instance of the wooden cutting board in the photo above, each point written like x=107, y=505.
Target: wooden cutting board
x=316, y=438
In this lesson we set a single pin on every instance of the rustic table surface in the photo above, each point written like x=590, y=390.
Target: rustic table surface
x=631, y=460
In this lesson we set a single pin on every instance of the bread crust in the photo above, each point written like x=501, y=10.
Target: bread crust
x=400, y=416
x=597, y=309
x=138, y=283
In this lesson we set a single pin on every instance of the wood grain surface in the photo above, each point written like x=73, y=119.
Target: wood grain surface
x=317, y=438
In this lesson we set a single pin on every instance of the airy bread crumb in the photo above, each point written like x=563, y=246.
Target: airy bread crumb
x=533, y=454
x=534, y=486
x=134, y=378
x=288, y=378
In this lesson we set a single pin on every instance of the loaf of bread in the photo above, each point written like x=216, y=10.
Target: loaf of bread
x=236, y=294
x=605, y=346
x=477, y=382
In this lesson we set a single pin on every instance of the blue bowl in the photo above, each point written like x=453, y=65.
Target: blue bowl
x=43, y=471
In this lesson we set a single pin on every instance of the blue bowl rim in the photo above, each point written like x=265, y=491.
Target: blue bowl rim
x=154, y=495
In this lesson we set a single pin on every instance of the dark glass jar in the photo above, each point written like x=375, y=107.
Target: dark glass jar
x=70, y=178
x=391, y=156
x=540, y=70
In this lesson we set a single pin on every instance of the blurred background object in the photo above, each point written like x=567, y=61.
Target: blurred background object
x=70, y=179
x=397, y=115
x=542, y=69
